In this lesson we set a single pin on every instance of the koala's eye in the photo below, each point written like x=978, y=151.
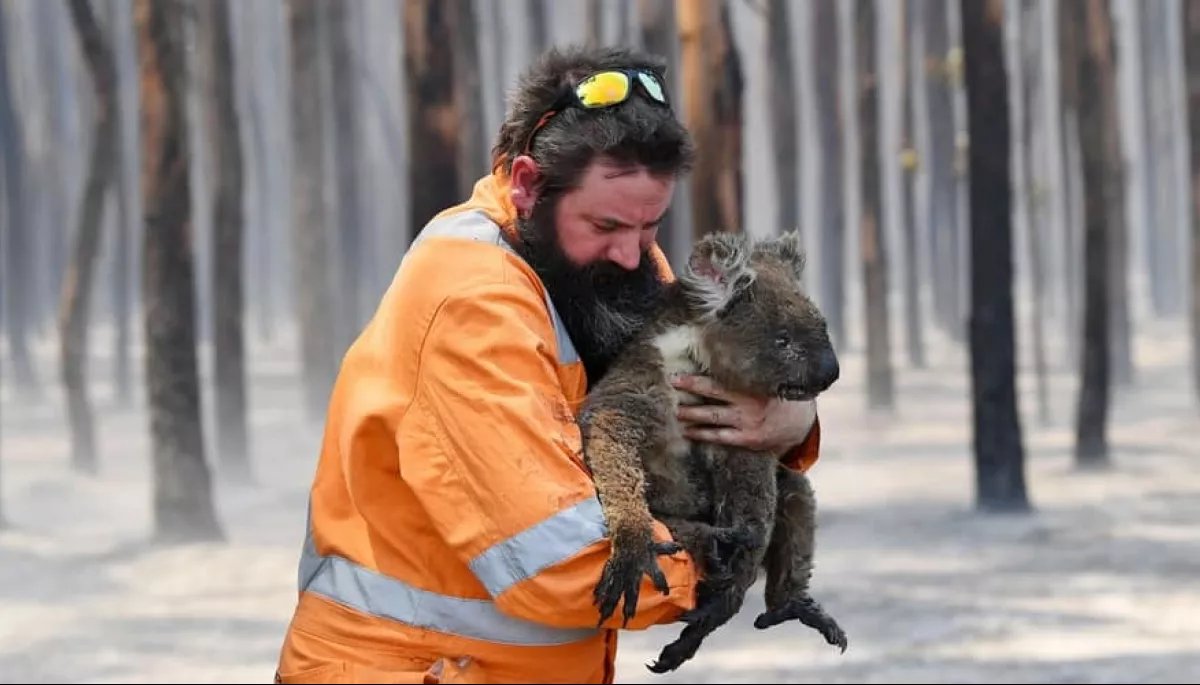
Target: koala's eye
x=782, y=339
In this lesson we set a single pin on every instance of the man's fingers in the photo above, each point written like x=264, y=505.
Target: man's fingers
x=723, y=436
x=702, y=385
x=714, y=415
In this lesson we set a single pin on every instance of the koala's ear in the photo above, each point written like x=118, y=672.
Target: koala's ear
x=718, y=268
x=791, y=251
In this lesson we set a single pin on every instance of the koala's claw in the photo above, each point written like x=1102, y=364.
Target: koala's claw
x=810, y=613
x=622, y=577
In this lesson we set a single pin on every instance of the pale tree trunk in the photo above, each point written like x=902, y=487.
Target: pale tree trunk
x=593, y=18
x=783, y=113
x=828, y=95
x=77, y=283
x=434, y=118
x=124, y=182
x=347, y=131
x=1028, y=65
x=940, y=202
x=712, y=89
x=1149, y=83
x=1191, y=27
x=880, y=383
x=229, y=359
x=18, y=278
x=310, y=256
x=999, y=452
x=1069, y=47
x=1090, y=22
x=1158, y=95
x=183, y=504
x=913, y=323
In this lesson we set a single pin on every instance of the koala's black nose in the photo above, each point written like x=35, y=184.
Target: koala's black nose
x=826, y=369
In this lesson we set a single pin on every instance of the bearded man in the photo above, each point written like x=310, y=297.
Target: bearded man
x=453, y=531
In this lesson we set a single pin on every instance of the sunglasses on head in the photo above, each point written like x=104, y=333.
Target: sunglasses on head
x=604, y=89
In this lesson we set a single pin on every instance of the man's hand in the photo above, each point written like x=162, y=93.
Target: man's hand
x=765, y=424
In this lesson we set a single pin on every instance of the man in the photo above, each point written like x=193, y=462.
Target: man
x=454, y=534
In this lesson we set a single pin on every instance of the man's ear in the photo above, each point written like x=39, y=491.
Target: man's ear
x=717, y=270
x=525, y=180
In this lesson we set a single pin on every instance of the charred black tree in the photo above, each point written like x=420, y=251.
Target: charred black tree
x=183, y=505
x=999, y=453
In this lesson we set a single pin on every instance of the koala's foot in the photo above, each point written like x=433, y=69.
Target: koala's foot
x=809, y=612
x=622, y=576
x=717, y=601
x=728, y=545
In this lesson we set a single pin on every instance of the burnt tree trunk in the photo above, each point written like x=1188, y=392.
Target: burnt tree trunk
x=712, y=88
x=539, y=36
x=229, y=357
x=310, y=243
x=828, y=94
x=17, y=283
x=1091, y=28
x=1029, y=65
x=999, y=453
x=657, y=29
x=77, y=283
x=1191, y=27
x=183, y=505
x=880, y=384
x=434, y=119
x=913, y=322
x=473, y=156
x=783, y=112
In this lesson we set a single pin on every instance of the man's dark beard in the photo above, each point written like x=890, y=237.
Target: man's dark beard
x=602, y=305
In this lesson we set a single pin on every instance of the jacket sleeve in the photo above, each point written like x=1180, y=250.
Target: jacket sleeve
x=802, y=457
x=501, y=474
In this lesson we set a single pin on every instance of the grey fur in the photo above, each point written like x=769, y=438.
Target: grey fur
x=738, y=314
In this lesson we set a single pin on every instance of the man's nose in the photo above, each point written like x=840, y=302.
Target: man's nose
x=626, y=252
x=826, y=369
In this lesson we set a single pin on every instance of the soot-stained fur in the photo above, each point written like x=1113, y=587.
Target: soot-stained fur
x=737, y=313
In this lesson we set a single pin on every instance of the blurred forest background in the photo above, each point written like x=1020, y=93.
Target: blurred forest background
x=201, y=202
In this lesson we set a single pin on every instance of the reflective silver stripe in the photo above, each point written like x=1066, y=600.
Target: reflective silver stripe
x=555, y=539
x=373, y=593
x=476, y=225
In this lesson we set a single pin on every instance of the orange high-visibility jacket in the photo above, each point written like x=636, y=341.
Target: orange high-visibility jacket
x=454, y=534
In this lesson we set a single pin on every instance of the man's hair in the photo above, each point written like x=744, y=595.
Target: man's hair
x=637, y=132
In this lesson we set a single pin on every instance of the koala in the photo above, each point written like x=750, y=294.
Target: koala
x=737, y=313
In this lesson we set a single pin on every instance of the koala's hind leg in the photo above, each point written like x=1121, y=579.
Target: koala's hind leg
x=743, y=498
x=613, y=442
x=789, y=562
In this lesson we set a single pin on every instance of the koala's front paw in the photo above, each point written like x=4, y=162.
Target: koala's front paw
x=633, y=555
x=809, y=612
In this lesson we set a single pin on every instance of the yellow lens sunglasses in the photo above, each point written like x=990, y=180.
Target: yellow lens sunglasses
x=604, y=89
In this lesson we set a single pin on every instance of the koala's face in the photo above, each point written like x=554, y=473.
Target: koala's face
x=764, y=334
